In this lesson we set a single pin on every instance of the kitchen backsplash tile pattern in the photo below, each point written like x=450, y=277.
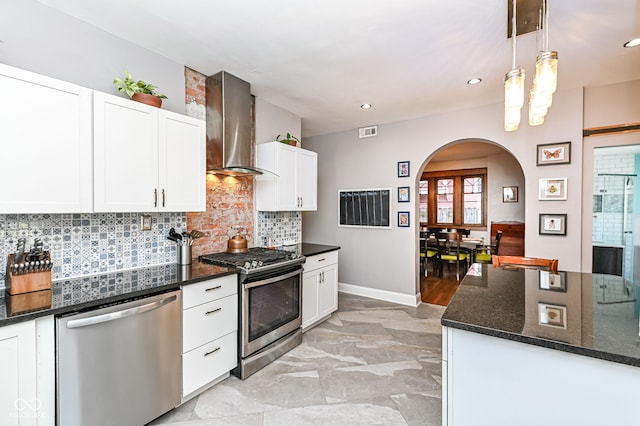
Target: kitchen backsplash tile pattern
x=281, y=227
x=87, y=244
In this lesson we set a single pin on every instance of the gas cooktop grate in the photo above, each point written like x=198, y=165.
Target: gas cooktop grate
x=261, y=255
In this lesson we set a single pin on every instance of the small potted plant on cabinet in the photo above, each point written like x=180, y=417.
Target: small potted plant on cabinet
x=289, y=139
x=139, y=91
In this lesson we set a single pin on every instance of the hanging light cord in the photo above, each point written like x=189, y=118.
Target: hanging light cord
x=513, y=36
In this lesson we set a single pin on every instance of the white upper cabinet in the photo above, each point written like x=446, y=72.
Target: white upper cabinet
x=45, y=144
x=294, y=185
x=146, y=159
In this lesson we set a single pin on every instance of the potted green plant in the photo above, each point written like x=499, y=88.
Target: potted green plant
x=289, y=139
x=139, y=91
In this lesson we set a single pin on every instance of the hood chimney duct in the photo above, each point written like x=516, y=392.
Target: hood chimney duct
x=228, y=114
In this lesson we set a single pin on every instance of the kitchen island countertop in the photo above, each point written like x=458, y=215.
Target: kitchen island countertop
x=594, y=315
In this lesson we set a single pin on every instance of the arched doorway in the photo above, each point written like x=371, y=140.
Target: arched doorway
x=502, y=195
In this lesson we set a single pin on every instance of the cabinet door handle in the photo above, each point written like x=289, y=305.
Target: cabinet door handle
x=163, y=197
x=211, y=312
x=155, y=197
x=215, y=350
x=213, y=288
x=321, y=260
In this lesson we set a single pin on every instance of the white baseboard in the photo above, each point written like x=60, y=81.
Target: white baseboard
x=388, y=296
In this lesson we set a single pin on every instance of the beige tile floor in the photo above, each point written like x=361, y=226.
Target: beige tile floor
x=371, y=363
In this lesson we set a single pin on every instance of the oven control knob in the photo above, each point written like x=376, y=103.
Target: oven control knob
x=260, y=263
x=254, y=264
x=247, y=265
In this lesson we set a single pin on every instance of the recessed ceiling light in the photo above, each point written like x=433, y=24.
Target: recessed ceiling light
x=633, y=42
x=474, y=81
x=365, y=106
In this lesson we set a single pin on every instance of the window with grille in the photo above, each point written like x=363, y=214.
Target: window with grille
x=454, y=198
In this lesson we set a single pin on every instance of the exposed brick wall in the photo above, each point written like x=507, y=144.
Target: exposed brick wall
x=229, y=199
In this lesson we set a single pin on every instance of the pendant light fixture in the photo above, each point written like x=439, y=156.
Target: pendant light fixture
x=513, y=85
x=546, y=79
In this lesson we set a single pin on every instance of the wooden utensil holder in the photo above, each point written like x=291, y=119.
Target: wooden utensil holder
x=27, y=281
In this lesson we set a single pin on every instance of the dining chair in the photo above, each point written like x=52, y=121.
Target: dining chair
x=427, y=254
x=526, y=262
x=449, y=251
x=484, y=253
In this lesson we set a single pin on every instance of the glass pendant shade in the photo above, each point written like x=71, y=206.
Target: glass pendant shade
x=547, y=72
x=514, y=88
x=537, y=110
x=511, y=119
x=513, y=98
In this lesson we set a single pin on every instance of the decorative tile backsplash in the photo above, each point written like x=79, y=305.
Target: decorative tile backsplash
x=87, y=244
x=282, y=227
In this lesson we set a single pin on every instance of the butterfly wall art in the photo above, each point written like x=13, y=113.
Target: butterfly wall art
x=554, y=153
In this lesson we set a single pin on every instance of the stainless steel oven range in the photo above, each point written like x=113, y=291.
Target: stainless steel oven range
x=270, y=304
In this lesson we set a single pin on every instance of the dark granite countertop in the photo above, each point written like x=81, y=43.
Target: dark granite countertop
x=81, y=293
x=310, y=249
x=588, y=314
x=76, y=294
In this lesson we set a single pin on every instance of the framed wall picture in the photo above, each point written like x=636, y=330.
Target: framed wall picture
x=509, y=194
x=403, y=194
x=553, y=224
x=370, y=208
x=403, y=169
x=553, y=282
x=553, y=189
x=403, y=219
x=552, y=315
x=554, y=153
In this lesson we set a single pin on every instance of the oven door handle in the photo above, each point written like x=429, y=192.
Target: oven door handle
x=272, y=279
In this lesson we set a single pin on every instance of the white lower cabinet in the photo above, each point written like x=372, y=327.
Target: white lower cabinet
x=319, y=288
x=27, y=376
x=210, y=329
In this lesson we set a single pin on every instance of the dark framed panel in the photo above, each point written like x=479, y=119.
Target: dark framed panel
x=365, y=208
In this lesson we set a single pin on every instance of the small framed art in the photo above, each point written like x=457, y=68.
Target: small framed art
x=553, y=189
x=403, y=169
x=403, y=194
x=509, y=194
x=553, y=224
x=554, y=153
x=553, y=282
x=552, y=315
x=403, y=219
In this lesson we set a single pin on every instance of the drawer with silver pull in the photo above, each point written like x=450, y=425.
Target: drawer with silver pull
x=206, y=291
x=207, y=362
x=209, y=321
x=320, y=260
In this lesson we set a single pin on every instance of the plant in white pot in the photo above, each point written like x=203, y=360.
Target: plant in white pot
x=139, y=91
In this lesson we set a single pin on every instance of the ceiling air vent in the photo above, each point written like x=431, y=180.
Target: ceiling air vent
x=367, y=132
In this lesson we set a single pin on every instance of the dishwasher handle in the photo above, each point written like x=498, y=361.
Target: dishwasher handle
x=84, y=322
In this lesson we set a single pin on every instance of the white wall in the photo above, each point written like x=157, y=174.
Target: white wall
x=387, y=259
x=272, y=121
x=42, y=40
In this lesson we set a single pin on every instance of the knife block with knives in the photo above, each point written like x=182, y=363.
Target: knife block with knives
x=28, y=272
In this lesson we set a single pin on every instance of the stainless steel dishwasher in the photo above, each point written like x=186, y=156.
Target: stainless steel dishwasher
x=119, y=365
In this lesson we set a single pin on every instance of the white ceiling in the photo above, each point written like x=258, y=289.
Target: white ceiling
x=322, y=59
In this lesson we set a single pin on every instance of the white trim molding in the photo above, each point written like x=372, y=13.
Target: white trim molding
x=388, y=296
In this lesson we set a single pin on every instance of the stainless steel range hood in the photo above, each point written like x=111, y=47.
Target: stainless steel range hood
x=229, y=126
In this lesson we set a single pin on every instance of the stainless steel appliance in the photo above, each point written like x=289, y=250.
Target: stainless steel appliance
x=121, y=364
x=270, y=304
